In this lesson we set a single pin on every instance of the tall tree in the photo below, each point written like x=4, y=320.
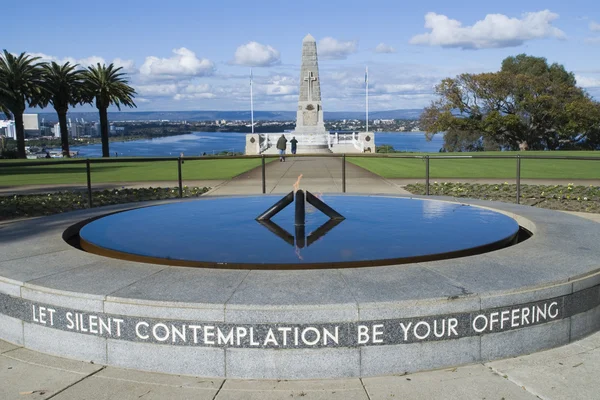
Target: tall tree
x=527, y=104
x=5, y=111
x=107, y=86
x=63, y=86
x=20, y=79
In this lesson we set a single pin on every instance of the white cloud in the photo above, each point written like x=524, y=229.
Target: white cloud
x=593, y=40
x=169, y=89
x=199, y=88
x=254, y=54
x=184, y=96
x=89, y=61
x=587, y=82
x=128, y=65
x=194, y=91
x=594, y=26
x=333, y=49
x=280, y=90
x=280, y=85
x=384, y=48
x=494, y=31
x=183, y=64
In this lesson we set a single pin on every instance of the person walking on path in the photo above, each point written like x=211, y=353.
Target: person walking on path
x=294, y=144
x=281, y=145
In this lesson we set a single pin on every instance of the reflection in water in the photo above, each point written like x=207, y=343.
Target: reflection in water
x=297, y=250
x=321, y=231
x=278, y=231
x=433, y=209
x=300, y=240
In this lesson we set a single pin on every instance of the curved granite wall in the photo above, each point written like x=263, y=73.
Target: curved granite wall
x=538, y=294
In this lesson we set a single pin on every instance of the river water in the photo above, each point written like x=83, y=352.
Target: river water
x=197, y=143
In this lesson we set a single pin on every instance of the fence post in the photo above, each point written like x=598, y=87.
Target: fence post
x=264, y=175
x=343, y=173
x=427, y=175
x=179, y=177
x=89, y=182
x=518, y=179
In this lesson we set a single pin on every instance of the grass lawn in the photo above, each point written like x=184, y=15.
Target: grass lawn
x=495, y=168
x=125, y=172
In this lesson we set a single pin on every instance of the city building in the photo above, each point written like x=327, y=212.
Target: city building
x=8, y=129
x=56, y=130
x=31, y=123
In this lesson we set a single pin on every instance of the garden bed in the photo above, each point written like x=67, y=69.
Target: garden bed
x=35, y=205
x=554, y=197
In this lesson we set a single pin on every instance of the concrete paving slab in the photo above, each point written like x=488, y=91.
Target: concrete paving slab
x=273, y=364
x=470, y=382
x=122, y=384
x=38, y=377
x=554, y=374
x=41, y=359
x=5, y=346
x=159, y=379
x=590, y=342
x=268, y=389
x=99, y=389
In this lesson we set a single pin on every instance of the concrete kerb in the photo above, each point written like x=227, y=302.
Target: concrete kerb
x=400, y=298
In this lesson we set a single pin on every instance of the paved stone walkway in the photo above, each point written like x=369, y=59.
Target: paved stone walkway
x=319, y=175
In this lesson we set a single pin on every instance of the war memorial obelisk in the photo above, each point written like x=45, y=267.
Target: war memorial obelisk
x=310, y=129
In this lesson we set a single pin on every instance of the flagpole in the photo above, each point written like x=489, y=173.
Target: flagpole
x=251, y=103
x=367, y=96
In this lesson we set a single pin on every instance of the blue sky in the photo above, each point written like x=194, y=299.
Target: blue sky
x=197, y=55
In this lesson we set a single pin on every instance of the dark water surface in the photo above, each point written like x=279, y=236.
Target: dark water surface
x=224, y=231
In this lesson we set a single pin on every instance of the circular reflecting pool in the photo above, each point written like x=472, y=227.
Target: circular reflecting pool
x=223, y=233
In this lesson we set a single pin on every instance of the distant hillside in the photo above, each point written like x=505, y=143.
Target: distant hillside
x=231, y=115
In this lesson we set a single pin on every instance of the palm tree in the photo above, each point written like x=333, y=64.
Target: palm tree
x=20, y=78
x=63, y=86
x=5, y=111
x=107, y=86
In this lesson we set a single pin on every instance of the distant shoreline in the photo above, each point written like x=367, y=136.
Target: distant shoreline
x=121, y=139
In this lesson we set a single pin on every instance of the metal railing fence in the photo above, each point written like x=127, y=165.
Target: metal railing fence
x=179, y=160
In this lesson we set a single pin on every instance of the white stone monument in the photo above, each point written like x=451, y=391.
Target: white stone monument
x=310, y=128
